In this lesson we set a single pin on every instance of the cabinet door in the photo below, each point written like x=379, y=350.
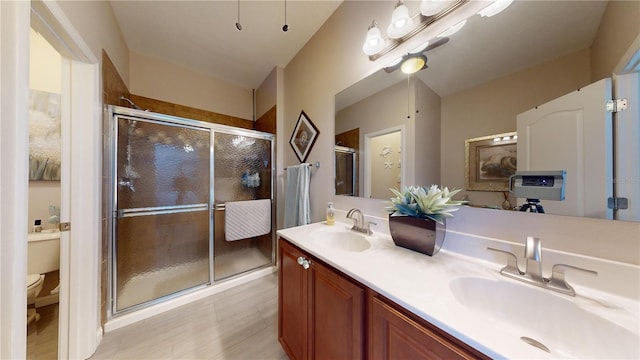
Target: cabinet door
x=395, y=336
x=336, y=319
x=292, y=303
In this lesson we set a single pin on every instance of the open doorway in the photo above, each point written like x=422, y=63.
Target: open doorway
x=43, y=237
x=79, y=326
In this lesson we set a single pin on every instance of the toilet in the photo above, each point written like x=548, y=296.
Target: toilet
x=43, y=256
x=34, y=286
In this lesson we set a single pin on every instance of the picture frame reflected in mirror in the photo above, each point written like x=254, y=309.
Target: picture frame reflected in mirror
x=490, y=161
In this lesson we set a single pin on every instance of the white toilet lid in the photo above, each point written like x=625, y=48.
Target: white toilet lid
x=32, y=279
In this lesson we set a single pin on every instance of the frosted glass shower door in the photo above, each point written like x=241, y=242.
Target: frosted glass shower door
x=162, y=235
x=242, y=175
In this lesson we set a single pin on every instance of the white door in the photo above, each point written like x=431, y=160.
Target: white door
x=572, y=133
x=627, y=145
x=383, y=162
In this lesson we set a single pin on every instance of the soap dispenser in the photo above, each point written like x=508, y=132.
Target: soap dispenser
x=331, y=214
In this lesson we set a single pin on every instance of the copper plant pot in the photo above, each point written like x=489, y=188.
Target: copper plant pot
x=417, y=234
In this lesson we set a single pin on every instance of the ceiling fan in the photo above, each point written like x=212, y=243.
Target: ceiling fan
x=416, y=60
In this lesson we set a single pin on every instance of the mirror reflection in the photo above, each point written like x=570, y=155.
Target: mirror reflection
x=475, y=85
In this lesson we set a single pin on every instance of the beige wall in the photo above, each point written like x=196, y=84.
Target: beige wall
x=330, y=62
x=383, y=110
x=96, y=23
x=45, y=68
x=492, y=108
x=45, y=65
x=266, y=94
x=160, y=80
x=427, y=136
x=620, y=26
x=385, y=169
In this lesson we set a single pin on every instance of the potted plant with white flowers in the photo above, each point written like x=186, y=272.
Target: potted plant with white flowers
x=417, y=217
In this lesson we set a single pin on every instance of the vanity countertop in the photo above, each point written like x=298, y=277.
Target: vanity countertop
x=427, y=287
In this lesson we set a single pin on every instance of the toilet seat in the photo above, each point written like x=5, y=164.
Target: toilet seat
x=34, y=280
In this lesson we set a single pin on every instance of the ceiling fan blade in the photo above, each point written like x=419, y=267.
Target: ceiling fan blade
x=439, y=42
x=390, y=69
x=434, y=45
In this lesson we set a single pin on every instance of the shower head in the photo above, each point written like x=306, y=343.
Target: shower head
x=132, y=103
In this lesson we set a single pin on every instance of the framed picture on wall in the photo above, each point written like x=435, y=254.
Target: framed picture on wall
x=490, y=161
x=303, y=137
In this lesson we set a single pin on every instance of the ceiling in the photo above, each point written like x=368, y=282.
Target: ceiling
x=201, y=35
x=527, y=33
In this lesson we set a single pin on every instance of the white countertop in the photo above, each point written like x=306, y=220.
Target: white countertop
x=422, y=285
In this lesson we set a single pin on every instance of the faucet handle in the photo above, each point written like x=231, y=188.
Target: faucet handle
x=558, y=281
x=368, y=229
x=512, y=263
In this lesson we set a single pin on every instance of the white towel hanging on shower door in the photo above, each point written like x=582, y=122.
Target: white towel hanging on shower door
x=247, y=219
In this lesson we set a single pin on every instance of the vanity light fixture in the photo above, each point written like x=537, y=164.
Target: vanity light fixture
x=505, y=138
x=495, y=8
x=432, y=7
x=401, y=28
x=401, y=22
x=374, y=41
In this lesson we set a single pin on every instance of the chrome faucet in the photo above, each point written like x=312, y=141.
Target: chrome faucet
x=533, y=258
x=358, y=222
x=533, y=272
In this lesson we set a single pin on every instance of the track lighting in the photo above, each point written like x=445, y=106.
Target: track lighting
x=285, y=28
x=238, y=26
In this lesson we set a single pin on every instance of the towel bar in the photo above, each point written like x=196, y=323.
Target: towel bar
x=317, y=164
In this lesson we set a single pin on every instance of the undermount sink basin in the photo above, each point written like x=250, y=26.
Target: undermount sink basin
x=545, y=319
x=342, y=238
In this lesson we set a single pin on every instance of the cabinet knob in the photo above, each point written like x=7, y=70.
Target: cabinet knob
x=304, y=262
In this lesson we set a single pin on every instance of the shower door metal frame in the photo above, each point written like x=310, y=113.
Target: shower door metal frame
x=230, y=130
x=110, y=128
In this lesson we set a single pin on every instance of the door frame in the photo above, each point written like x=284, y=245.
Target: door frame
x=80, y=330
x=368, y=157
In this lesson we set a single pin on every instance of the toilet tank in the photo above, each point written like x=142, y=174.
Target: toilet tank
x=43, y=252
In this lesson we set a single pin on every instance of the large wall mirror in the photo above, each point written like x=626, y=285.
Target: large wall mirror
x=475, y=86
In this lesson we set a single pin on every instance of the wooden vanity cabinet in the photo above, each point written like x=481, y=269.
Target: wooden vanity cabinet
x=325, y=315
x=394, y=334
x=320, y=311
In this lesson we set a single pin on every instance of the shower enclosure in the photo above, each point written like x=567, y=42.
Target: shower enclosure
x=191, y=204
x=346, y=170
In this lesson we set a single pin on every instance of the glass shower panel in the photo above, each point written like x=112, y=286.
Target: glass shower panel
x=345, y=171
x=163, y=218
x=242, y=173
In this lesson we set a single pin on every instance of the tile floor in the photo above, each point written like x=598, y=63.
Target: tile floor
x=240, y=323
x=42, y=335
